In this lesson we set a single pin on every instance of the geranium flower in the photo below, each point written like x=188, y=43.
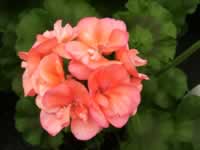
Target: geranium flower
x=68, y=100
x=96, y=51
x=115, y=97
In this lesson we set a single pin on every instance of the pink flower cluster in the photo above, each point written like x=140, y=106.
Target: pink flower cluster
x=76, y=84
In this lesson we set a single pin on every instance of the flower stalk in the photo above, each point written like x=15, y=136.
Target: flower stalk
x=178, y=60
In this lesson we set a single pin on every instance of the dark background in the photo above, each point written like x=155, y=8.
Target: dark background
x=10, y=139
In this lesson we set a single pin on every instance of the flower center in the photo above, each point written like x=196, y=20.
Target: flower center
x=93, y=54
x=79, y=111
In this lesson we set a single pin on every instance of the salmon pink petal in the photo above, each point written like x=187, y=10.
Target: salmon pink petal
x=87, y=31
x=79, y=91
x=62, y=33
x=23, y=55
x=101, y=100
x=58, y=28
x=51, y=123
x=118, y=121
x=39, y=85
x=27, y=86
x=99, y=62
x=76, y=49
x=137, y=83
x=79, y=70
x=118, y=105
x=67, y=33
x=136, y=60
x=104, y=78
x=51, y=70
x=123, y=100
x=60, y=50
x=40, y=38
x=109, y=23
x=117, y=40
x=32, y=62
x=39, y=103
x=24, y=64
x=98, y=115
x=63, y=114
x=58, y=96
x=84, y=130
x=49, y=34
x=130, y=60
x=106, y=26
x=46, y=46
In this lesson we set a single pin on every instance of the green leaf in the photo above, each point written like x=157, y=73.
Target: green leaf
x=196, y=135
x=17, y=84
x=8, y=58
x=174, y=82
x=144, y=36
x=144, y=125
x=31, y=23
x=179, y=9
x=163, y=100
x=189, y=108
x=27, y=122
x=166, y=90
x=140, y=124
x=95, y=143
x=70, y=10
x=52, y=142
x=184, y=131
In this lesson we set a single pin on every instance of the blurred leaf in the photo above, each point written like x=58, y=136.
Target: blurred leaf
x=179, y=9
x=189, y=108
x=8, y=58
x=174, y=82
x=111, y=6
x=52, y=142
x=144, y=36
x=196, y=135
x=69, y=10
x=149, y=129
x=95, y=143
x=31, y=23
x=188, y=121
x=166, y=90
x=184, y=131
x=17, y=84
x=27, y=122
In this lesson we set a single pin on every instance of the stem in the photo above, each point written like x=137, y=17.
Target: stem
x=187, y=53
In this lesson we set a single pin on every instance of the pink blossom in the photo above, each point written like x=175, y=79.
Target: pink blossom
x=68, y=100
x=115, y=97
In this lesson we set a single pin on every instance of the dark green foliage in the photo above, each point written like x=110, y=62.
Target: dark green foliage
x=27, y=122
x=165, y=90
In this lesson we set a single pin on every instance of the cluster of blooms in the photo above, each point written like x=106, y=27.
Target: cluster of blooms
x=84, y=77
